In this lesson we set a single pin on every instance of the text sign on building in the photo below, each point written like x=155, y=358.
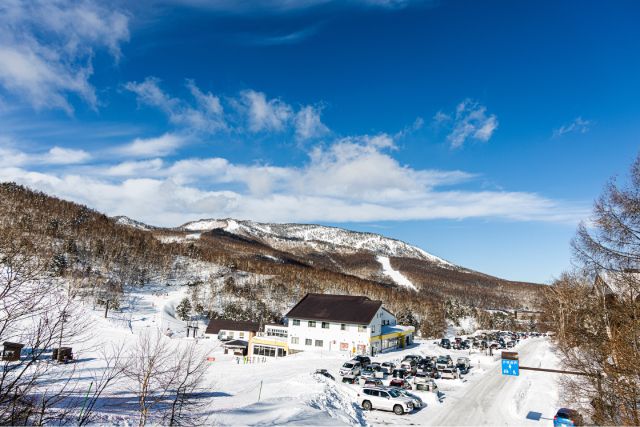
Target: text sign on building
x=510, y=363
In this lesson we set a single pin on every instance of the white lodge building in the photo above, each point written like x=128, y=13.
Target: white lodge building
x=344, y=323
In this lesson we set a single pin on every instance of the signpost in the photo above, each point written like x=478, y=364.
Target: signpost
x=511, y=366
x=510, y=363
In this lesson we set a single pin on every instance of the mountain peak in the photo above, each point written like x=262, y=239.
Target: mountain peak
x=320, y=238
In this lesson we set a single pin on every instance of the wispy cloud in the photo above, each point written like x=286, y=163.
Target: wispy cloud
x=578, y=125
x=65, y=156
x=152, y=147
x=469, y=122
x=308, y=124
x=250, y=111
x=285, y=38
x=46, y=48
x=264, y=114
x=204, y=113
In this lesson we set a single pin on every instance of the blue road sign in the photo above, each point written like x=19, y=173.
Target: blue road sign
x=510, y=367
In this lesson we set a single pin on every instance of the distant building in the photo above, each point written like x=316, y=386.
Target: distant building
x=272, y=342
x=344, y=323
x=236, y=347
x=10, y=351
x=232, y=329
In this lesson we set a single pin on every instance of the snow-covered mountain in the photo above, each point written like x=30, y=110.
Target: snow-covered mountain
x=125, y=220
x=317, y=237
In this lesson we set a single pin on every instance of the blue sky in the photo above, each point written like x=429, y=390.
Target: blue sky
x=479, y=131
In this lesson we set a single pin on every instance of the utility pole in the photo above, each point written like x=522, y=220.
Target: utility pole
x=63, y=318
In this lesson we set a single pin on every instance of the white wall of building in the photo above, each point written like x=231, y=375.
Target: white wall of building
x=347, y=338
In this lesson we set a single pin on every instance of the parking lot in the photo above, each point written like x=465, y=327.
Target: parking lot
x=444, y=396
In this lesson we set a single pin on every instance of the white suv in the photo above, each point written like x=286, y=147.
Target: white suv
x=384, y=398
x=450, y=373
x=351, y=367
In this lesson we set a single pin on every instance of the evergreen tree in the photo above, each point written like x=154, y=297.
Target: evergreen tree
x=183, y=310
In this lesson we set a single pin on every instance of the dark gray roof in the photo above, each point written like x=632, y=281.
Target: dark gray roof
x=215, y=325
x=335, y=308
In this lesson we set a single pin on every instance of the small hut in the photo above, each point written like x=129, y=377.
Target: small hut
x=10, y=351
x=237, y=347
x=62, y=354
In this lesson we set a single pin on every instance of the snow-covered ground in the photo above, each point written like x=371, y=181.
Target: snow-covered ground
x=395, y=275
x=284, y=391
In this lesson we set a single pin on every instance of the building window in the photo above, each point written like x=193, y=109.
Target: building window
x=319, y=343
x=343, y=327
x=307, y=341
x=261, y=350
x=296, y=322
x=311, y=323
x=241, y=335
x=362, y=328
x=325, y=325
x=230, y=335
x=373, y=329
x=276, y=332
x=295, y=340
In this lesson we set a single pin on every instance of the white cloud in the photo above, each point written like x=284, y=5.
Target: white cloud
x=251, y=111
x=579, y=125
x=135, y=168
x=46, y=48
x=470, y=122
x=263, y=114
x=308, y=124
x=65, y=156
x=353, y=179
x=206, y=115
x=159, y=146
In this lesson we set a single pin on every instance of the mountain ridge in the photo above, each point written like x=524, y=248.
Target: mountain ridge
x=323, y=237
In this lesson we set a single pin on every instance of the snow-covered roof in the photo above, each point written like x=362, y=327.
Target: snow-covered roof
x=617, y=282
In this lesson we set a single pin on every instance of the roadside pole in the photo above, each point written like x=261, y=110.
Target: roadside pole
x=260, y=391
x=511, y=366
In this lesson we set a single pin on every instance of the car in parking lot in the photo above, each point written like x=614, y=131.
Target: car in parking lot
x=567, y=417
x=351, y=367
x=373, y=382
x=444, y=362
x=385, y=399
x=450, y=373
x=409, y=365
x=364, y=360
x=367, y=372
x=426, y=385
x=387, y=367
x=445, y=343
x=399, y=373
x=464, y=362
x=401, y=383
x=351, y=379
x=417, y=401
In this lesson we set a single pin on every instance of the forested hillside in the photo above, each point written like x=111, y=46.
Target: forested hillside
x=104, y=256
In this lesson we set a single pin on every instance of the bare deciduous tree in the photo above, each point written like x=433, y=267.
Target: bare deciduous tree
x=595, y=311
